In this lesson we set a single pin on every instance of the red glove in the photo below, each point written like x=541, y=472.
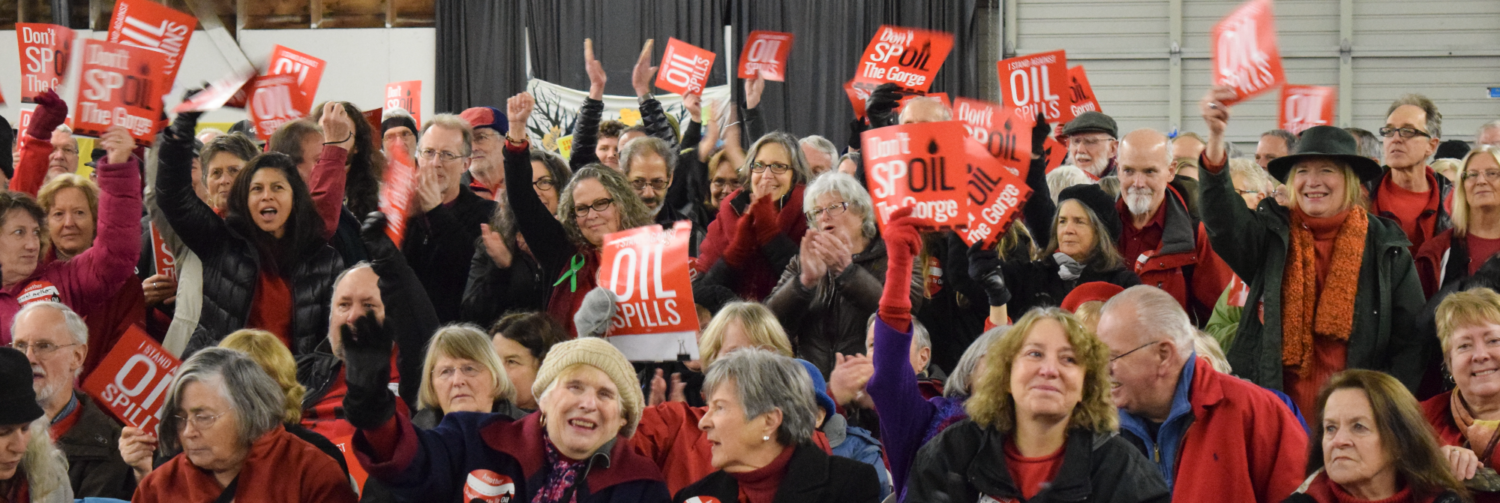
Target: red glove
x=902, y=242
x=50, y=112
x=765, y=220
x=743, y=245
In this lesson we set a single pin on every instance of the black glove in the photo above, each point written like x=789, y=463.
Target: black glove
x=377, y=243
x=882, y=105
x=857, y=128
x=984, y=267
x=367, y=372
x=186, y=123
x=1039, y=134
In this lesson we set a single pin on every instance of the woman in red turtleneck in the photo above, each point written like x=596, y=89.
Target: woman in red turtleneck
x=1337, y=287
x=760, y=421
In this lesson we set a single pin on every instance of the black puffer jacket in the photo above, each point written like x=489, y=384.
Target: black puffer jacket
x=231, y=262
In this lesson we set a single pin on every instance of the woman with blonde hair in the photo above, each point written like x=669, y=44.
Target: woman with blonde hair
x=462, y=374
x=1041, y=426
x=739, y=325
x=1458, y=252
x=1466, y=418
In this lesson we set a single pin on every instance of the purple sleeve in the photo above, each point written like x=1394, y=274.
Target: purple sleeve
x=904, y=415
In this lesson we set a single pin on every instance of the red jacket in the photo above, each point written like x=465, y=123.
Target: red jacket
x=1165, y=267
x=668, y=435
x=1439, y=413
x=1243, y=446
x=757, y=278
x=1432, y=259
x=280, y=467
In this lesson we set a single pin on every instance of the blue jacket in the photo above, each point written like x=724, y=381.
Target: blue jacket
x=1168, y=441
x=473, y=455
x=858, y=444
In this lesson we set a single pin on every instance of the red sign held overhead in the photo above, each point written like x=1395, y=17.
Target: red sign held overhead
x=684, y=68
x=907, y=56
x=120, y=86
x=217, y=94
x=154, y=27
x=45, y=51
x=406, y=95
x=274, y=100
x=308, y=69
x=398, y=191
x=1055, y=152
x=996, y=193
x=1303, y=107
x=1082, y=96
x=765, y=52
x=1037, y=84
x=132, y=381
x=647, y=268
x=1244, y=53
x=919, y=165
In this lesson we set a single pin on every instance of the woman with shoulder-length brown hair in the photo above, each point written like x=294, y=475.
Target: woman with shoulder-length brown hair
x=1371, y=443
x=1041, y=426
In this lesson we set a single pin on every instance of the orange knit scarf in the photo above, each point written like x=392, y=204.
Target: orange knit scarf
x=1305, y=310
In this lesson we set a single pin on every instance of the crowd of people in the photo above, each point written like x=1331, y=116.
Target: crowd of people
x=1165, y=320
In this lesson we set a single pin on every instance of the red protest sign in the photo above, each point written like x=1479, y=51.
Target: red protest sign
x=919, y=165
x=24, y=122
x=217, y=94
x=765, y=52
x=858, y=93
x=1243, y=49
x=308, y=69
x=1006, y=136
x=161, y=254
x=120, y=86
x=1037, y=84
x=405, y=95
x=647, y=269
x=1303, y=107
x=45, y=51
x=132, y=381
x=398, y=191
x=684, y=68
x=1082, y=98
x=153, y=27
x=274, y=100
x=356, y=470
x=907, y=56
x=996, y=192
x=1055, y=152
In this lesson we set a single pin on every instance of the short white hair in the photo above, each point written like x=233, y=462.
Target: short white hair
x=1494, y=124
x=1064, y=177
x=1255, y=175
x=1158, y=313
x=947, y=112
x=822, y=145
x=76, y=327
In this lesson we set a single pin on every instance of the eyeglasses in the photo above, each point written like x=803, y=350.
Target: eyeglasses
x=658, y=184
x=726, y=183
x=1406, y=132
x=447, y=373
x=42, y=348
x=599, y=206
x=543, y=184
x=1127, y=353
x=832, y=210
x=1246, y=192
x=1490, y=174
x=430, y=154
x=200, y=421
x=68, y=151
x=776, y=167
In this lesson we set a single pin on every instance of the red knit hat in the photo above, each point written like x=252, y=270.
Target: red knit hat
x=1093, y=290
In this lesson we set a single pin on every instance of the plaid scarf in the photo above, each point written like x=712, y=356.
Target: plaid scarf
x=560, y=479
x=1305, y=309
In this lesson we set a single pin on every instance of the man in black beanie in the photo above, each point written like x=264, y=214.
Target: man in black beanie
x=397, y=125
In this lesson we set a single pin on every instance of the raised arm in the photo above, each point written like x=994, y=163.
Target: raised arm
x=327, y=184
x=195, y=223
x=36, y=143
x=1239, y=235
x=543, y=232
x=1039, y=210
x=586, y=130
x=95, y=275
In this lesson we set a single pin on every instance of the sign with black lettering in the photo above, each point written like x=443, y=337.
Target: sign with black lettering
x=909, y=57
x=121, y=85
x=45, y=52
x=920, y=165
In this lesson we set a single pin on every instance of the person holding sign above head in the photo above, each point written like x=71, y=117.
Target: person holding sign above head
x=55, y=341
x=1159, y=237
x=267, y=263
x=756, y=233
x=221, y=424
x=46, y=148
x=31, y=469
x=1339, y=287
x=89, y=279
x=598, y=201
x=832, y=287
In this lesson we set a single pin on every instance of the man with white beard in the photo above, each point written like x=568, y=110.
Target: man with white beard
x=1160, y=238
x=1091, y=143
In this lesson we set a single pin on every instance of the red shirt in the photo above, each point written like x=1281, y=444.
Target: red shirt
x=1480, y=250
x=271, y=310
x=1133, y=241
x=1407, y=207
x=323, y=417
x=1031, y=473
x=1330, y=355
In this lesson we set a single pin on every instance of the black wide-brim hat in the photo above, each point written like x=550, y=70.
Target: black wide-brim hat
x=17, y=400
x=1326, y=141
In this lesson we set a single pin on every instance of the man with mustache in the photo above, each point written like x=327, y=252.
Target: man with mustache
x=1213, y=436
x=1410, y=193
x=1091, y=143
x=1160, y=235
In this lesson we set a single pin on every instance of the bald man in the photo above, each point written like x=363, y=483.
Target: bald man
x=1160, y=238
x=925, y=109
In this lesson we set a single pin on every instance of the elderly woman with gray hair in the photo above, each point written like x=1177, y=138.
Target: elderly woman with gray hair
x=234, y=442
x=760, y=422
x=833, y=286
x=755, y=234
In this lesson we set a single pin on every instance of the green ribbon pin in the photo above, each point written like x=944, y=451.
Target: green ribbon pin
x=572, y=274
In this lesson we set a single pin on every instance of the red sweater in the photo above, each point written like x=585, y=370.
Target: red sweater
x=668, y=434
x=280, y=467
x=760, y=485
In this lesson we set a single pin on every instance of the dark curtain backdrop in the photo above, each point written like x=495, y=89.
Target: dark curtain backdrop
x=618, y=28
x=479, y=53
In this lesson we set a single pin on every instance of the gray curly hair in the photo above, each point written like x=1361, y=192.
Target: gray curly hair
x=632, y=211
